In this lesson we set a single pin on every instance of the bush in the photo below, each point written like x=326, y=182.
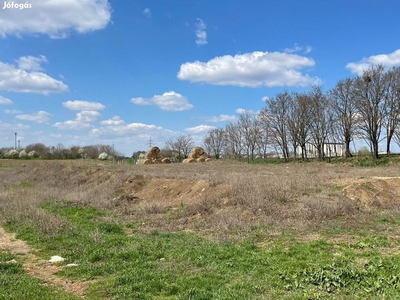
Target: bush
x=22, y=154
x=103, y=156
x=32, y=154
x=12, y=154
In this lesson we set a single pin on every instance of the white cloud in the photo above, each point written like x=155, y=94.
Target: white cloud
x=387, y=60
x=170, y=101
x=87, y=116
x=83, y=105
x=201, y=33
x=113, y=121
x=221, y=118
x=240, y=111
x=31, y=63
x=147, y=12
x=83, y=120
x=5, y=101
x=12, y=111
x=265, y=99
x=135, y=131
x=56, y=18
x=39, y=117
x=298, y=48
x=200, y=129
x=308, y=49
x=20, y=80
x=9, y=127
x=254, y=69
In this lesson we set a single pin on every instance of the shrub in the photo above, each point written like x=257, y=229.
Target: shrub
x=103, y=156
x=22, y=154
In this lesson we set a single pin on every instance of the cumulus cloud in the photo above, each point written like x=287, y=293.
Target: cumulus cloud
x=240, y=111
x=27, y=79
x=221, y=118
x=113, y=121
x=83, y=105
x=12, y=111
x=170, y=101
x=133, y=130
x=201, y=33
x=200, y=129
x=265, y=99
x=31, y=63
x=10, y=127
x=254, y=69
x=147, y=12
x=83, y=120
x=57, y=19
x=5, y=101
x=39, y=117
x=298, y=48
x=387, y=60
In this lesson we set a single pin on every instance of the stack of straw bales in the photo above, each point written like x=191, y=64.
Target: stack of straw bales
x=197, y=155
x=154, y=156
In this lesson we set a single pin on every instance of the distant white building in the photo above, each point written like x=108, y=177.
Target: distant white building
x=330, y=150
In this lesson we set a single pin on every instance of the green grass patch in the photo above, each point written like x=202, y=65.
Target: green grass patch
x=15, y=284
x=161, y=265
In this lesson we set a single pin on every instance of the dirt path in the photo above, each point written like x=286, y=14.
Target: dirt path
x=38, y=267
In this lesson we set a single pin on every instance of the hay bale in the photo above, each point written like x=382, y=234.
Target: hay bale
x=166, y=161
x=201, y=159
x=196, y=152
x=153, y=153
x=147, y=162
x=189, y=160
x=157, y=161
x=208, y=159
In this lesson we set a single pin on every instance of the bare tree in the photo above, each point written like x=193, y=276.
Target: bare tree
x=343, y=104
x=275, y=118
x=299, y=122
x=182, y=144
x=250, y=127
x=392, y=105
x=371, y=91
x=214, y=142
x=320, y=119
x=234, y=140
x=41, y=149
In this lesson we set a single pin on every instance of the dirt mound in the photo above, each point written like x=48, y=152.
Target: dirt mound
x=373, y=191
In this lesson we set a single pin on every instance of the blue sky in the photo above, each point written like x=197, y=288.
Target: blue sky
x=88, y=72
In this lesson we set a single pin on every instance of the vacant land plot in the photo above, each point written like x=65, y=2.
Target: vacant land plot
x=215, y=230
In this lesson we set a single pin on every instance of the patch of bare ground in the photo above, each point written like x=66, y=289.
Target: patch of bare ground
x=373, y=191
x=38, y=267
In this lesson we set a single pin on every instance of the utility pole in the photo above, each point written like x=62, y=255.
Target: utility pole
x=19, y=144
x=150, y=142
x=15, y=141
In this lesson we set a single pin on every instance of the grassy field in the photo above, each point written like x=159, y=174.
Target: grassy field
x=218, y=230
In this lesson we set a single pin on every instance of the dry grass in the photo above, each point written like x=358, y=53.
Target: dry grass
x=239, y=197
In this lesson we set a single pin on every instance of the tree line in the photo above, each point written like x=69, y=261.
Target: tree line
x=364, y=107
x=59, y=151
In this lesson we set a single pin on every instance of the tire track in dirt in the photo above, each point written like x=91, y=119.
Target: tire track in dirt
x=40, y=268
